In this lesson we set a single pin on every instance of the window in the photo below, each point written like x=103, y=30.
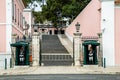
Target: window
x=21, y=20
x=15, y=13
x=12, y=9
x=18, y=16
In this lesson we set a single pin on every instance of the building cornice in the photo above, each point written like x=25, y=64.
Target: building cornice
x=105, y=0
x=27, y=10
x=117, y=2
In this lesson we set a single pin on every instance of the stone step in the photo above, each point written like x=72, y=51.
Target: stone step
x=56, y=57
x=90, y=66
x=52, y=44
x=57, y=63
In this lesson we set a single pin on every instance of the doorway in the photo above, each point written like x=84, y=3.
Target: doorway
x=22, y=53
x=50, y=32
x=90, y=52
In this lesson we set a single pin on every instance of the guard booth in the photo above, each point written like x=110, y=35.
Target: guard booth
x=90, y=59
x=22, y=53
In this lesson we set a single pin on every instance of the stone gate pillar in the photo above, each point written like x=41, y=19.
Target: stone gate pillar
x=13, y=50
x=77, y=49
x=35, y=49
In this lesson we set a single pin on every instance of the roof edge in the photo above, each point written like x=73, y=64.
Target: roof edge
x=25, y=4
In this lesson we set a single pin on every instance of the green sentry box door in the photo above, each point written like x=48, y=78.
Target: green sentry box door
x=95, y=55
x=16, y=60
x=95, y=44
x=18, y=45
x=27, y=55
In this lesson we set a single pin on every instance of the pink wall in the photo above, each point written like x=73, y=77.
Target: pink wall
x=2, y=26
x=2, y=38
x=89, y=20
x=3, y=11
x=18, y=23
x=26, y=15
x=19, y=9
x=117, y=36
x=16, y=31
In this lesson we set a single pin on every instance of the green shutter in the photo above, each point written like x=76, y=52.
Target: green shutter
x=27, y=55
x=85, y=54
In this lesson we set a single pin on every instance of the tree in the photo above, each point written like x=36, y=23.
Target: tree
x=39, y=18
x=74, y=8
x=55, y=10
x=68, y=8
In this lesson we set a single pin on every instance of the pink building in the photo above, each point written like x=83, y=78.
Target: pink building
x=99, y=16
x=27, y=15
x=11, y=24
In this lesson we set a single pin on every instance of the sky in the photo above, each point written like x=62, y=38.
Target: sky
x=38, y=7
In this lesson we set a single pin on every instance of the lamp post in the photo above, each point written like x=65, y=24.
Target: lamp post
x=77, y=27
x=77, y=46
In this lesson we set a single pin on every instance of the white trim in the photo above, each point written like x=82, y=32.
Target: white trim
x=29, y=31
x=13, y=25
x=106, y=0
x=69, y=37
x=4, y=24
x=8, y=27
x=107, y=23
x=27, y=10
x=3, y=53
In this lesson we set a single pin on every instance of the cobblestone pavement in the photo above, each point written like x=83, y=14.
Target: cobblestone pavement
x=22, y=70
x=62, y=77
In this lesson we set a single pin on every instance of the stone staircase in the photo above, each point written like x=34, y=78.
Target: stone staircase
x=53, y=52
x=56, y=59
x=52, y=44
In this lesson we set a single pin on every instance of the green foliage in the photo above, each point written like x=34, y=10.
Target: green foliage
x=56, y=9
x=39, y=18
x=31, y=1
x=74, y=8
x=68, y=8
